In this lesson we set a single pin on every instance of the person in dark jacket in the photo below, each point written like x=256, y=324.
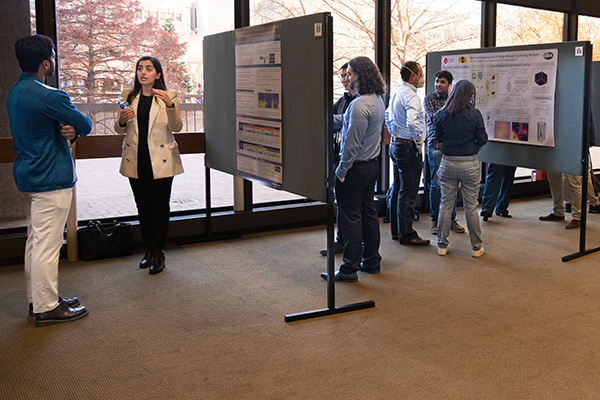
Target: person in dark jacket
x=339, y=108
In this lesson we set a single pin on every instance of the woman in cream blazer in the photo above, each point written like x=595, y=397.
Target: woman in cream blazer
x=150, y=154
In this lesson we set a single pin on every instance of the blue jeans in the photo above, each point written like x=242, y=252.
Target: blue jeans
x=464, y=170
x=434, y=157
x=498, y=187
x=358, y=217
x=407, y=173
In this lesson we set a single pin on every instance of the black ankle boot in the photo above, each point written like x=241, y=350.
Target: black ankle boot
x=148, y=258
x=158, y=262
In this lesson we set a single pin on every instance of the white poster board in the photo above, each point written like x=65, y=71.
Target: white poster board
x=515, y=92
x=258, y=103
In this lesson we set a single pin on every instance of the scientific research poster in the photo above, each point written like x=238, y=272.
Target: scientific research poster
x=258, y=103
x=515, y=92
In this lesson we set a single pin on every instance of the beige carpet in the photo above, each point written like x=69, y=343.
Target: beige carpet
x=517, y=323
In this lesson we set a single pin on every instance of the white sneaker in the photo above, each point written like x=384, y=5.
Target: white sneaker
x=478, y=253
x=442, y=252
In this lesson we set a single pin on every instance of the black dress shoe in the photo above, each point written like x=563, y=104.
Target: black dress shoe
x=342, y=277
x=370, y=270
x=158, y=263
x=147, y=260
x=504, y=214
x=415, y=242
x=338, y=249
x=62, y=313
x=552, y=217
x=72, y=302
x=486, y=215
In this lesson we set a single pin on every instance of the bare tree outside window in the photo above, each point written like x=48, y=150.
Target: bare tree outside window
x=522, y=25
x=99, y=42
x=589, y=29
x=418, y=27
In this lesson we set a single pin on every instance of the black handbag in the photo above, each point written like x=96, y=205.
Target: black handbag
x=98, y=240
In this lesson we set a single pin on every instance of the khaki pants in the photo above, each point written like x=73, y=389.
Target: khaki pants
x=565, y=187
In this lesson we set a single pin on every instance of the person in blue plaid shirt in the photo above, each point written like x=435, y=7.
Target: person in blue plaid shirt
x=433, y=102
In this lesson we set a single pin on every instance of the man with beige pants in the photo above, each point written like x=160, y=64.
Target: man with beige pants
x=42, y=122
x=564, y=187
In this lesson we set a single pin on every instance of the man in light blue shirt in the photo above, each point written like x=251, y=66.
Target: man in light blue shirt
x=405, y=120
x=358, y=170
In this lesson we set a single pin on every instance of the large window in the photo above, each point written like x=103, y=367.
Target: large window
x=521, y=25
x=420, y=26
x=589, y=29
x=99, y=42
x=353, y=27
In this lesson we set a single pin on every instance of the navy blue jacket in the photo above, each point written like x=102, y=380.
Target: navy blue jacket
x=460, y=134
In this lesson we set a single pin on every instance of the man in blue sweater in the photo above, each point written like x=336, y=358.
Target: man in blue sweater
x=43, y=121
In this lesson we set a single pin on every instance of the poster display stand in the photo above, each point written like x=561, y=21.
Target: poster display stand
x=591, y=71
x=569, y=153
x=295, y=146
x=331, y=308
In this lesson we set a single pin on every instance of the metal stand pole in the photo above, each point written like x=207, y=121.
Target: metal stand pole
x=582, y=230
x=331, y=308
x=330, y=180
x=585, y=160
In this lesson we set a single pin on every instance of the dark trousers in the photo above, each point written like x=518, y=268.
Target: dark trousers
x=359, y=220
x=498, y=188
x=152, y=197
x=408, y=166
x=339, y=238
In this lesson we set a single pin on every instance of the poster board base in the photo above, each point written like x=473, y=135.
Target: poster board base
x=329, y=311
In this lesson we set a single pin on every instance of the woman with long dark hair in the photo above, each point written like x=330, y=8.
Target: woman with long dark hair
x=150, y=154
x=460, y=129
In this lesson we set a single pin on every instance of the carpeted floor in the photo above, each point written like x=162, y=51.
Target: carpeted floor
x=518, y=323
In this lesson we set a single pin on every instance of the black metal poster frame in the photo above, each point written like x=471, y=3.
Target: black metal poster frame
x=307, y=122
x=573, y=97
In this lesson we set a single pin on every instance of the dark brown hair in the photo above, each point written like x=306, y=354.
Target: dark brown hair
x=461, y=97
